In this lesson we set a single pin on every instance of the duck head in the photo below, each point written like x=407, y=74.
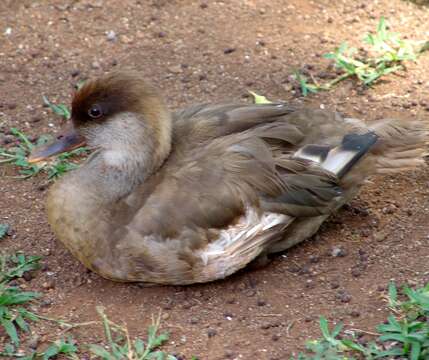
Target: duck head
x=122, y=117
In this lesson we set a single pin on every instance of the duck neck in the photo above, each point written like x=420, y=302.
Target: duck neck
x=111, y=173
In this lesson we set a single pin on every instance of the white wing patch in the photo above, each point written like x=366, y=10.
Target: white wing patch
x=246, y=237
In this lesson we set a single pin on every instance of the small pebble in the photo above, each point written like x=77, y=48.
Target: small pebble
x=75, y=73
x=229, y=50
x=50, y=284
x=211, y=333
x=34, y=341
x=28, y=276
x=228, y=314
x=354, y=313
x=95, y=65
x=261, y=302
x=389, y=209
x=111, y=35
x=193, y=320
x=338, y=252
x=250, y=293
x=175, y=69
x=275, y=337
x=343, y=296
x=46, y=303
x=356, y=271
x=229, y=354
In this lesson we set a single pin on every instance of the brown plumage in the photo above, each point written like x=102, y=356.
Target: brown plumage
x=196, y=195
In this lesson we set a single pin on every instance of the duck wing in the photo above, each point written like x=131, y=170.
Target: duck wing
x=231, y=185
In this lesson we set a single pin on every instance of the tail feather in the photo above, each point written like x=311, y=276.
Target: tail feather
x=402, y=144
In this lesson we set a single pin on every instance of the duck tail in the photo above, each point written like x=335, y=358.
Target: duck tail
x=402, y=145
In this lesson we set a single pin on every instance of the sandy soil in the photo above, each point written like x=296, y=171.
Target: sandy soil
x=198, y=51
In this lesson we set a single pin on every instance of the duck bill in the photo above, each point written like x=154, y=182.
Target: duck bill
x=68, y=141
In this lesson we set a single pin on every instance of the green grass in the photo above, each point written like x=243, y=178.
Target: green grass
x=386, y=53
x=15, y=320
x=404, y=335
x=4, y=228
x=119, y=345
x=14, y=315
x=60, y=109
x=17, y=155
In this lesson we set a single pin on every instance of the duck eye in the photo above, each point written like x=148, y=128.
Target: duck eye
x=95, y=111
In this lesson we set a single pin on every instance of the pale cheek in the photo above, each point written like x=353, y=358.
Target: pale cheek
x=114, y=158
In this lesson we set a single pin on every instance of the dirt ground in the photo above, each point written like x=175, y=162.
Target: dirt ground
x=199, y=51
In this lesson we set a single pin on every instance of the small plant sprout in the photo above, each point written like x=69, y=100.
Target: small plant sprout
x=404, y=335
x=13, y=312
x=4, y=228
x=60, y=109
x=259, y=99
x=121, y=346
x=17, y=155
x=386, y=53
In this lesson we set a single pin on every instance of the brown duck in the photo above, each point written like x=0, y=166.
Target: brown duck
x=195, y=195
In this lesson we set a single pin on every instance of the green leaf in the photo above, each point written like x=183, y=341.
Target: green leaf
x=100, y=351
x=156, y=355
x=415, y=351
x=393, y=294
x=323, y=323
x=21, y=323
x=259, y=99
x=10, y=329
x=424, y=48
x=139, y=346
x=50, y=352
x=381, y=28
x=66, y=347
x=394, y=337
x=3, y=230
x=60, y=109
x=23, y=138
x=28, y=315
x=390, y=352
x=337, y=330
x=9, y=348
x=352, y=345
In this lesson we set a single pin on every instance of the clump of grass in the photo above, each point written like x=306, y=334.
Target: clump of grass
x=14, y=316
x=120, y=346
x=404, y=335
x=387, y=53
x=60, y=109
x=67, y=348
x=17, y=155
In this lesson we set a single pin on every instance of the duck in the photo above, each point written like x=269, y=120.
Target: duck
x=193, y=196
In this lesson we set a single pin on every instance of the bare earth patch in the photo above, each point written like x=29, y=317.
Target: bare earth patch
x=201, y=51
